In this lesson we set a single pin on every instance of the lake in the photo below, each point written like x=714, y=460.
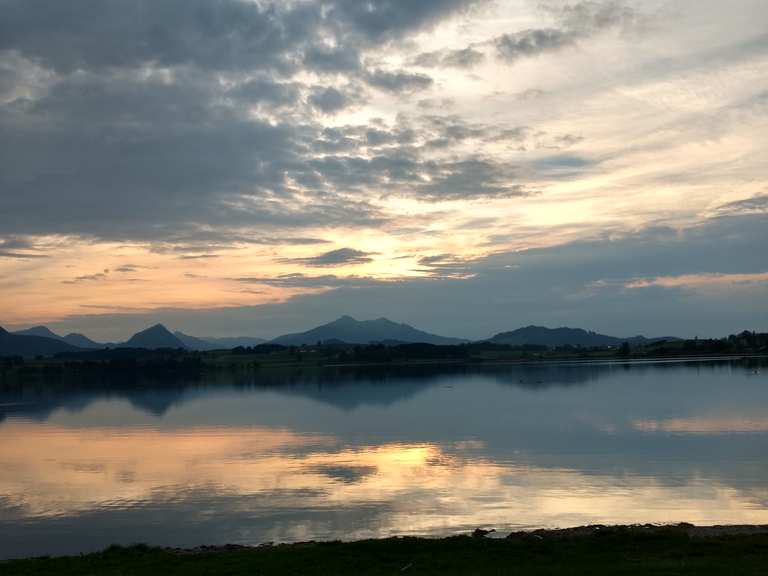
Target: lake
x=349, y=454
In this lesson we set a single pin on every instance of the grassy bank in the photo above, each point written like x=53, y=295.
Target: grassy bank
x=627, y=551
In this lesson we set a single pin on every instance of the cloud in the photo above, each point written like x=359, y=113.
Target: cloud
x=445, y=266
x=20, y=255
x=326, y=59
x=197, y=256
x=531, y=94
x=549, y=286
x=298, y=280
x=340, y=257
x=330, y=100
x=98, y=276
x=10, y=246
x=384, y=20
x=191, y=128
x=472, y=178
x=266, y=90
x=152, y=120
x=527, y=43
x=101, y=35
x=462, y=58
x=577, y=22
x=704, y=280
x=129, y=268
x=398, y=82
x=754, y=205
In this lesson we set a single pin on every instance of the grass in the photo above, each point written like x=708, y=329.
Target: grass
x=618, y=551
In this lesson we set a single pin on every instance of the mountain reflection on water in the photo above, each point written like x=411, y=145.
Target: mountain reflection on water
x=373, y=452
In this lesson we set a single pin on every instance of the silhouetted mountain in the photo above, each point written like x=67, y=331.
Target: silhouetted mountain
x=156, y=336
x=347, y=329
x=234, y=341
x=211, y=343
x=42, y=331
x=640, y=340
x=194, y=343
x=553, y=337
x=25, y=345
x=74, y=339
x=81, y=341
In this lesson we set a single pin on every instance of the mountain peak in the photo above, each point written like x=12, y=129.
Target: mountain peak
x=43, y=331
x=3, y=330
x=157, y=336
x=347, y=329
x=81, y=340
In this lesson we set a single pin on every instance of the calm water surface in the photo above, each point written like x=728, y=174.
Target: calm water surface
x=373, y=453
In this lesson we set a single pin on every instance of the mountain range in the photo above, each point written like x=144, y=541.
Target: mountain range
x=345, y=330
x=36, y=341
x=211, y=343
x=31, y=345
x=350, y=331
x=73, y=338
x=554, y=337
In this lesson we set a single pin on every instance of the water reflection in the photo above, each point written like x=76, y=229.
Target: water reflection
x=415, y=452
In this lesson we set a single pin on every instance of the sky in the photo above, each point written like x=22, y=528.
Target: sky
x=243, y=167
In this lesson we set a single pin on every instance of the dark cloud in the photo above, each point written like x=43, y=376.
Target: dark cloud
x=445, y=266
x=397, y=82
x=472, y=178
x=755, y=205
x=319, y=58
x=20, y=255
x=222, y=35
x=266, y=90
x=563, y=166
x=340, y=257
x=307, y=281
x=88, y=278
x=378, y=21
x=399, y=159
x=16, y=242
x=591, y=16
x=227, y=34
x=576, y=21
x=330, y=100
x=464, y=58
x=119, y=156
x=517, y=45
x=10, y=246
x=140, y=125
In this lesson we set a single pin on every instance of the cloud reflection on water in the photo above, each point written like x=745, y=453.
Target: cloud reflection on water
x=54, y=471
